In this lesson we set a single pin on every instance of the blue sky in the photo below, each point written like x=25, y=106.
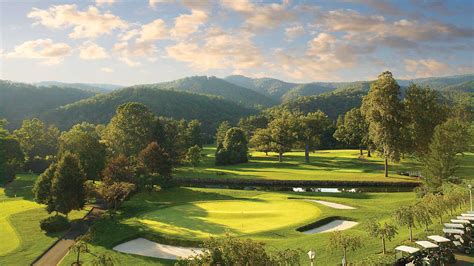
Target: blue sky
x=132, y=42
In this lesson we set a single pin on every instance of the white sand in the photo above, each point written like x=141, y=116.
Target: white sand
x=144, y=247
x=336, y=225
x=333, y=205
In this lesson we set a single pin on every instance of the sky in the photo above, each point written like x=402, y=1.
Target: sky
x=134, y=42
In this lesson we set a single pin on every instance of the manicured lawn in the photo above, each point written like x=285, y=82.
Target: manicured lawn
x=21, y=239
x=184, y=216
x=341, y=165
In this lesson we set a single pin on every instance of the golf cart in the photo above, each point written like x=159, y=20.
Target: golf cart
x=469, y=218
x=431, y=253
x=460, y=240
x=446, y=248
x=467, y=214
x=408, y=255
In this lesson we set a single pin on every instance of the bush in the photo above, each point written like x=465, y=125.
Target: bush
x=54, y=224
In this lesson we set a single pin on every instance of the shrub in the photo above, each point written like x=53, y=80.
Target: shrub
x=55, y=223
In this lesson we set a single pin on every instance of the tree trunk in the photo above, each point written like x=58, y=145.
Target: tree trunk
x=78, y=254
x=306, y=152
x=280, y=157
x=383, y=245
x=361, y=152
x=266, y=153
x=411, y=233
x=345, y=256
x=386, y=167
x=441, y=219
x=368, y=153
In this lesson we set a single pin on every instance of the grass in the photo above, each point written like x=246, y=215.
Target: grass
x=21, y=239
x=341, y=165
x=185, y=216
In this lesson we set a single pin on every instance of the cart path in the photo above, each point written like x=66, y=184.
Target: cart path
x=60, y=248
x=145, y=247
x=333, y=205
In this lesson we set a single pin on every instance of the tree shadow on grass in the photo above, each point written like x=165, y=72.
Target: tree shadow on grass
x=21, y=187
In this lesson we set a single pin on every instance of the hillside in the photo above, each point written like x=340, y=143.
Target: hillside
x=94, y=87
x=271, y=87
x=99, y=109
x=217, y=87
x=19, y=101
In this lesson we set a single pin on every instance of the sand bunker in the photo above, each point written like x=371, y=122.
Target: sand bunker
x=333, y=205
x=144, y=247
x=335, y=225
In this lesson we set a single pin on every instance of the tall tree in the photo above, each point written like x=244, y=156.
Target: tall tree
x=156, y=161
x=313, y=125
x=221, y=131
x=405, y=216
x=193, y=134
x=36, y=139
x=450, y=139
x=130, y=130
x=385, y=232
x=383, y=110
x=42, y=189
x=251, y=123
x=261, y=140
x=423, y=112
x=68, y=185
x=344, y=241
x=84, y=141
x=353, y=129
x=283, y=131
x=234, y=149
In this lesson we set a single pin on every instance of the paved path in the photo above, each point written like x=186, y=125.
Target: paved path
x=60, y=248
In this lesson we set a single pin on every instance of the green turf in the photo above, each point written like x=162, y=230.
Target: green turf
x=21, y=239
x=185, y=215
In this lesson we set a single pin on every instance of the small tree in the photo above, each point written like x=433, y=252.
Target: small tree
x=436, y=205
x=80, y=247
x=422, y=215
x=405, y=216
x=385, y=232
x=103, y=260
x=221, y=131
x=42, y=188
x=193, y=155
x=156, y=162
x=341, y=240
x=115, y=194
x=119, y=169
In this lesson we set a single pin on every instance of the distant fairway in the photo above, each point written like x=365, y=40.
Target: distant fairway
x=337, y=165
x=236, y=217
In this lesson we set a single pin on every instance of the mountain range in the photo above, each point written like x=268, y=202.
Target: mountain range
x=209, y=99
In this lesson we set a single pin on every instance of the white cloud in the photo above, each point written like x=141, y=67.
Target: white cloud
x=107, y=70
x=218, y=50
x=154, y=3
x=104, y=2
x=130, y=53
x=295, y=31
x=186, y=24
x=90, y=23
x=154, y=30
x=90, y=50
x=46, y=50
x=426, y=68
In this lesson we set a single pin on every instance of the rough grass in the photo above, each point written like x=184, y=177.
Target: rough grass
x=183, y=216
x=21, y=239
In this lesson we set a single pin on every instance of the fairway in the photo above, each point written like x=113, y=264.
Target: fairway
x=236, y=217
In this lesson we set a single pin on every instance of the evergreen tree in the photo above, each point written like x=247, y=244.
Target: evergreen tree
x=383, y=110
x=193, y=134
x=234, y=149
x=221, y=131
x=68, y=185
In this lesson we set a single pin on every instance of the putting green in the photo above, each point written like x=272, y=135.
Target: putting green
x=9, y=239
x=204, y=218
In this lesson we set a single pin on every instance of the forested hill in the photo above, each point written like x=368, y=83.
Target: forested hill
x=19, y=101
x=285, y=91
x=94, y=87
x=218, y=87
x=210, y=110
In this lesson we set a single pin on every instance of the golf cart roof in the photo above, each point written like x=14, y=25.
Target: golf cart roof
x=407, y=249
x=426, y=244
x=467, y=214
x=470, y=212
x=453, y=231
x=439, y=239
x=458, y=221
x=459, y=226
x=469, y=218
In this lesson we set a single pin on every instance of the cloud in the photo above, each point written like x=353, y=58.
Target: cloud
x=187, y=24
x=426, y=68
x=90, y=23
x=90, y=50
x=107, y=70
x=154, y=30
x=46, y=50
x=218, y=50
x=295, y=31
x=104, y=2
x=262, y=16
x=130, y=53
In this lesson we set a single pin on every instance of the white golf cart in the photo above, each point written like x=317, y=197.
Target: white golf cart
x=446, y=248
x=462, y=242
x=407, y=255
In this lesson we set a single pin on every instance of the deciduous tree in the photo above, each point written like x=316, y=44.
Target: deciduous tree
x=405, y=216
x=119, y=169
x=344, y=241
x=385, y=232
x=193, y=156
x=353, y=130
x=313, y=125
